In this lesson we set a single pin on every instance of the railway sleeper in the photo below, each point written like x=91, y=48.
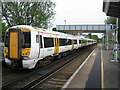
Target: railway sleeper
x=46, y=85
x=55, y=82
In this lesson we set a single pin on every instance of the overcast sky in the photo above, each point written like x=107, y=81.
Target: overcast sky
x=79, y=12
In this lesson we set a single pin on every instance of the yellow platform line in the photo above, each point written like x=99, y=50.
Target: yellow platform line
x=102, y=71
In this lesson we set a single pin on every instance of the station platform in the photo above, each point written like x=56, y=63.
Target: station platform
x=98, y=72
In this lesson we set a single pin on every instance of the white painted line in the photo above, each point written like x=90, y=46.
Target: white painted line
x=74, y=74
x=93, y=54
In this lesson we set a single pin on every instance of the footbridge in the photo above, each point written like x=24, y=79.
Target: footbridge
x=107, y=29
x=101, y=28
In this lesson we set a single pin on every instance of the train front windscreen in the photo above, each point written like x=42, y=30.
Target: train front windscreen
x=16, y=42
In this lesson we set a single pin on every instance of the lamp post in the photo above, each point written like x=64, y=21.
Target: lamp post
x=65, y=22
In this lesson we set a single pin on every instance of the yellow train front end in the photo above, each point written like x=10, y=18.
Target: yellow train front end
x=17, y=46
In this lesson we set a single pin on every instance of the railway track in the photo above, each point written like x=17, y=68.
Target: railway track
x=57, y=79
x=54, y=75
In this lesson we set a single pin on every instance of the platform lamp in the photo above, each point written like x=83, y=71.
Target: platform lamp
x=65, y=22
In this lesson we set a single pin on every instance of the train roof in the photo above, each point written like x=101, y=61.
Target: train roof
x=24, y=27
x=40, y=30
x=48, y=31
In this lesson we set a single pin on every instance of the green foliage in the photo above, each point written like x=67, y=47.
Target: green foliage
x=92, y=36
x=89, y=35
x=4, y=28
x=38, y=14
x=95, y=37
x=110, y=20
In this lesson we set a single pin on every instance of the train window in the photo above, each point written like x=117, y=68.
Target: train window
x=6, y=39
x=26, y=40
x=64, y=42
x=89, y=41
x=80, y=41
x=84, y=41
x=41, y=41
x=48, y=42
x=68, y=42
x=37, y=40
x=75, y=41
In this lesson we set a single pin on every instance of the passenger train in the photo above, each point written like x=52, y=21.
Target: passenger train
x=27, y=46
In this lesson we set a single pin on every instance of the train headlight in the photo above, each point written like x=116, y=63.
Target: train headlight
x=26, y=58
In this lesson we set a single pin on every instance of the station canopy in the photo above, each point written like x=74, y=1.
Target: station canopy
x=112, y=8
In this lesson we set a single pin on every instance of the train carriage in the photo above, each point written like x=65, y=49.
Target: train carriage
x=25, y=46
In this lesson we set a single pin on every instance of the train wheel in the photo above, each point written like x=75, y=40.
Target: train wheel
x=59, y=56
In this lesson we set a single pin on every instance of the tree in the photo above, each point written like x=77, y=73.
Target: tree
x=4, y=28
x=90, y=35
x=110, y=20
x=38, y=14
x=95, y=37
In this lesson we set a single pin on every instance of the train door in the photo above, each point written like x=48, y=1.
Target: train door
x=41, y=49
x=56, y=42
x=72, y=44
x=14, y=49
